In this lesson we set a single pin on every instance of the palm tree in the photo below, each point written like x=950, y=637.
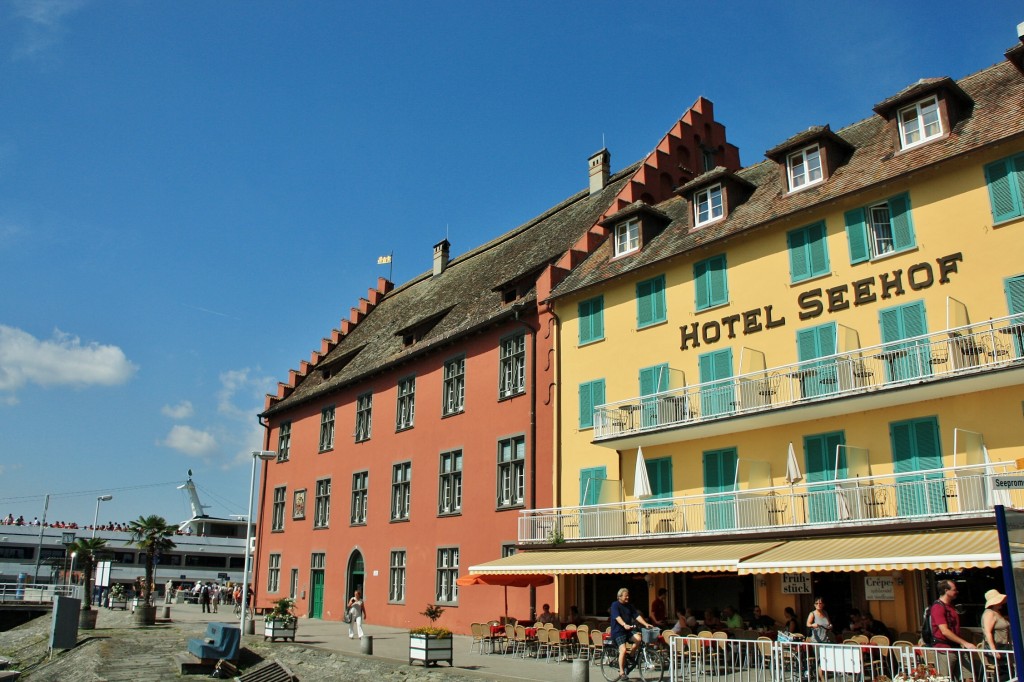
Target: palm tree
x=87, y=551
x=151, y=534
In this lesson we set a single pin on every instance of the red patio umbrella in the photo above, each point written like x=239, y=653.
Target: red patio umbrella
x=506, y=581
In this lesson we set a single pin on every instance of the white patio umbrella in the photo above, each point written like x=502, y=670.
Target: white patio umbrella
x=793, y=474
x=641, y=482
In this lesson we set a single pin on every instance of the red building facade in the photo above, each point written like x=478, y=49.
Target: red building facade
x=410, y=441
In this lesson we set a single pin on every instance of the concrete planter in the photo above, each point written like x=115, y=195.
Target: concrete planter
x=87, y=619
x=273, y=630
x=145, y=615
x=430, y=649
x=117, y=603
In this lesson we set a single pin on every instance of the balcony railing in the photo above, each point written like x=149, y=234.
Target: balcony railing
x=967, y=350
x=953, y=492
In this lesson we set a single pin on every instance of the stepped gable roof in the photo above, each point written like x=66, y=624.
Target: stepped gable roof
x=466, y=296
x=998, y=96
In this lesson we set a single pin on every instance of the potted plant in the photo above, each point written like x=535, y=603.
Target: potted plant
x=430, y=643
x=152, y=534
x=118, y=597
x=87, y=550
x=280, y=622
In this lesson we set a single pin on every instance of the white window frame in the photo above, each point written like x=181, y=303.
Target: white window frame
x=511, y=472
x=709, y=202
x=920, y=122
x=360, y=496
x=453, y=400
x=804, y=168
x=881, y=240
x=447, y=591
x=401, y=491
x=277, y=508
x=284, y=441
x=512, y=365
x=327, y=428
x=273, y=573
x=405, y=414
x=322, y=504
x=627, y=237
x=449, y=491
x=396, y=576
x=364, y=417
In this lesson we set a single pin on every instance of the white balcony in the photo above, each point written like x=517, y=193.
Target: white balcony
x=950, y=493
x=979, y=353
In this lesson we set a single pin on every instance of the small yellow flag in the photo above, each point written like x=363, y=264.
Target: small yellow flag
x=383, y=260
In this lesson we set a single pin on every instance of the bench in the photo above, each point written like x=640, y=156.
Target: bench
x=221, y=641
x=269, y=671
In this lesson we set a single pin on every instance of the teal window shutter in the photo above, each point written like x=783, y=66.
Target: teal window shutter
x=808, y=252
x=816, y=342
x=591, y=320
x=1005, y=180
x=902, y=225
x=709, y=278
x=857, y=235
x=659, y=472
x=591, y=395
x=590, y=484
x=650, y=302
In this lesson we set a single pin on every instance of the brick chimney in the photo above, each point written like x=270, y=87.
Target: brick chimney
x=600, y=170
x=440, y=256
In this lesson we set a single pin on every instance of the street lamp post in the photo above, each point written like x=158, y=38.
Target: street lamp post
x=264, y=455
x=73, y=555
x=96, y=516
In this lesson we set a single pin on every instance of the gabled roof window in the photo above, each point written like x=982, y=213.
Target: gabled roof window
x=920, y=122
x=708, y=206
x=803, y=167
x=635, y=226
x=420, y=328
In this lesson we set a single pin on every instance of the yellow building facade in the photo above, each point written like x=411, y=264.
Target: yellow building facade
x=819, y=360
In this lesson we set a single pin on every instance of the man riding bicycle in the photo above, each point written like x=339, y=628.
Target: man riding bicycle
x=624, y=619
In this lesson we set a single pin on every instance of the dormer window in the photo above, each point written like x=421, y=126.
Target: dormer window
x=920, y=122
x=707, y=205
x=627, y=237
x=804, y=168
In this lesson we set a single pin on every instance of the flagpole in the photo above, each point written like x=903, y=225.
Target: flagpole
x=391, y=266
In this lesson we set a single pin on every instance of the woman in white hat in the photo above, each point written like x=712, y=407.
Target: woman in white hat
x=994, y=622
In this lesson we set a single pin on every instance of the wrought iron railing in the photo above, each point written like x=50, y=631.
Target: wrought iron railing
x=951, y=492
x=36, y=593
x=971, y=349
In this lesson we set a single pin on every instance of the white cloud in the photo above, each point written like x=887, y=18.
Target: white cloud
x=182, y=410
x=60, y=361
x=44, y=23
x=190, y=441
x=239, y=385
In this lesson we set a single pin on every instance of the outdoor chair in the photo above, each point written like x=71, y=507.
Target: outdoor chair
x=219, y=642
x=596, y=645
x=510, y=638
x=583, y=648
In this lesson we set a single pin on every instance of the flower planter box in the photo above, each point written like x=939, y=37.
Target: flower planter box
x=117, y=603
x=430, y=649
x=273, y=629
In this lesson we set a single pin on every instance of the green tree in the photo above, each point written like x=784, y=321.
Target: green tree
x=87, y=552
x=152, y=534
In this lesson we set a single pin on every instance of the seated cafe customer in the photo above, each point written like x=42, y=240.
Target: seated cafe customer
x=732, y=619
x=761, y=621
x=547, y=617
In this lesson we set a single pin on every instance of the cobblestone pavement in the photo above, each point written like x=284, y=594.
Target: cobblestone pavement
x=117, y=651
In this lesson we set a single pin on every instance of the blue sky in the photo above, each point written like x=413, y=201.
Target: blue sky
x=192, y=194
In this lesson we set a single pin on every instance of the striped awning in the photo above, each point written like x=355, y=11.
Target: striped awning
x=690, y=558
x=902, y=551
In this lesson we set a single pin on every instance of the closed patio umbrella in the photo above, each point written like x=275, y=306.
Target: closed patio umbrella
x=641, y=482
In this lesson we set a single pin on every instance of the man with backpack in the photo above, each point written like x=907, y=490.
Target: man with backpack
x=944, y=622
x=204, y=597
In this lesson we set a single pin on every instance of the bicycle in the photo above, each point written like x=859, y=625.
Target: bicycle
x=649, y=661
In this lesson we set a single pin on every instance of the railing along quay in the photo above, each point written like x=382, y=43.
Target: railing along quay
x=36, y=593
x=971, y=349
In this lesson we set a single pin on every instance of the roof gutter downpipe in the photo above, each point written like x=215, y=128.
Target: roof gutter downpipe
x=532, y=500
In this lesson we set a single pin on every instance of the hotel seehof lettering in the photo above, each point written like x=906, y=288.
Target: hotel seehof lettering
x=817, y=301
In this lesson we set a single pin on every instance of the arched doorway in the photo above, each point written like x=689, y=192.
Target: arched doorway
x=355, y=574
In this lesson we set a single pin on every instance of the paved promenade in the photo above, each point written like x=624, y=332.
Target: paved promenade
x=116, y=651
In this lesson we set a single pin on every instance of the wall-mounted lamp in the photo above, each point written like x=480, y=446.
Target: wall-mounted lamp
x=762, y=582
x=897, y=578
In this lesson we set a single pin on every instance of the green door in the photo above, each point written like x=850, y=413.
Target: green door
x=652, y=380
x=716, y=393
x=820, y=464
x=915, y=447
x=910, y=359
x=817, y=378
x=1015, y=302
x=316, y=588
x=720, y=477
